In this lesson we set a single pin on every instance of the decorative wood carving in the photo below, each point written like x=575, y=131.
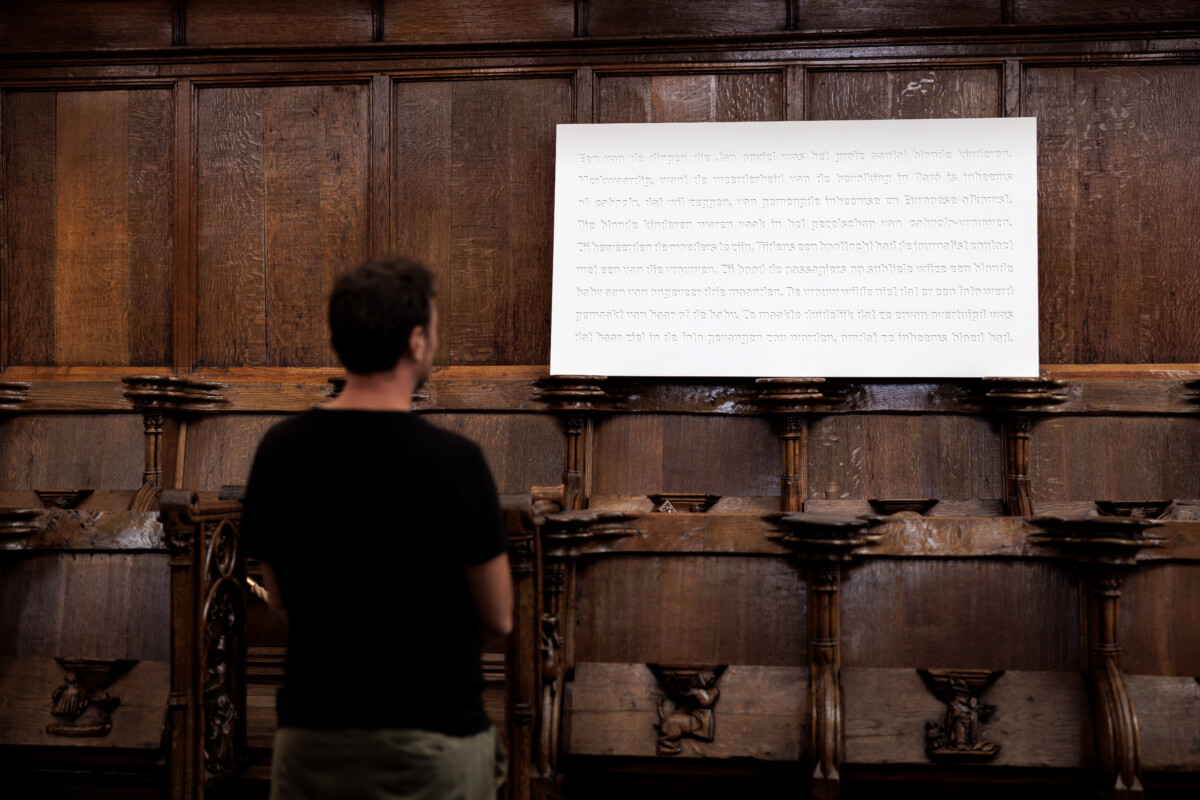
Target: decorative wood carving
x=678, y=502
x=1016, y=399
x=82, y=703
x=208, y=723
x=1108, y=547
x=913, y=507
x=576, y=397
x=13, y=394
x=1147, y=509
x=172, y=393
x=576, y=393
x=959, y=735
x=827, y=542
x=17, y=523
x=63, y=498
x=686, y=708
x=794, y=399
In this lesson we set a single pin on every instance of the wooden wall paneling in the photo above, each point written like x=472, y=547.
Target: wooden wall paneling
x=691, y=610
x=1074, y=12
x=220, y=449
x=1160, y=620
x=422, y=114
x=649, y=453
x=184, y=286
x=1048, y=96
x=421, y=21
x=969, y=614
x=796, y=84
x=523, y=450
x=380, y=210
x=283, y=195
x=1106, y=136
x=480, y=155
x=230, y=248
x=28, y=295
x=72, y=451
x=83, y=25
x=948, y=92
x=831, y=15
x=1168, y=314
x=1115, y=458
x=696, y=17
x=88, y=605
x=279, y=22
x=151, y=227
x=694, y=97
x=315, y=175
x=864, y=456
x=113, y=227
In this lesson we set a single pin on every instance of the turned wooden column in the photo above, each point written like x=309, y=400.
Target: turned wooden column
x=164, y=401
x=577, y=399
x=1017, y=400
x=1107, y=549
x=827, y=543
x=791, y=401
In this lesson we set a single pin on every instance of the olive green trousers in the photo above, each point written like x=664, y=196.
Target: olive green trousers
x=390, y=764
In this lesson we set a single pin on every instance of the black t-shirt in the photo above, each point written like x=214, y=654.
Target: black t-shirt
x=367, y=519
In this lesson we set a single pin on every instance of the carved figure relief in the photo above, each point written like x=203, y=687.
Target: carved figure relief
x=959, y=734
x=82, y=704
x=686, y=709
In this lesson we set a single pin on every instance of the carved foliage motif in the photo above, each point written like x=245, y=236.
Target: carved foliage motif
x=959, y=734
x=82, y=703
x=223, y=614
x=686, y=708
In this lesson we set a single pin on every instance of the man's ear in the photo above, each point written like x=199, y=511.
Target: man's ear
x=418, y=341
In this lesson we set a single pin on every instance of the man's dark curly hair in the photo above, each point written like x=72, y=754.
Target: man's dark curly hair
x=373, y=310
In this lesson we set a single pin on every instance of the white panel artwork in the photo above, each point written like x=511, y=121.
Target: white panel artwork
x=892, y=248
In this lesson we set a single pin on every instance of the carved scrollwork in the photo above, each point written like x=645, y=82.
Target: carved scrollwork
x=82, y=703
x=223, y=614
x=63, y=498
x=959, y=735
x=686, y=708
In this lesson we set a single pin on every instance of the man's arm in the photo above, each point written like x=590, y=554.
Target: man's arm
x=490, y=584
x=274, y=598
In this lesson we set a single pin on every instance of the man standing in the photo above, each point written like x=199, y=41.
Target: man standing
x=382, y=537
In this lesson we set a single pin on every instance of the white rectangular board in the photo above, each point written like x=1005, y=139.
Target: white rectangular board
x=882, y=248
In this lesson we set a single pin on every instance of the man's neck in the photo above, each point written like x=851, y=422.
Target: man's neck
x=377, y=391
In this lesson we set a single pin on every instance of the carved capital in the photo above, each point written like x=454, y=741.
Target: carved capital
x=566, y=535
x=63, y=498
x=158, y=393
x=576, y=393
x=13, y=394
x=1098, y=540
x=826, y=537
x=17, y=523
x=789, y=395
x=1022, y=395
